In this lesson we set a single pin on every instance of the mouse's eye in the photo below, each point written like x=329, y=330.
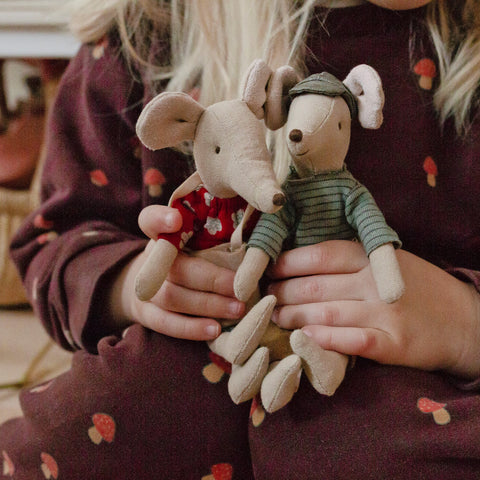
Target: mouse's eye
x=339, y=125
x=217, y=149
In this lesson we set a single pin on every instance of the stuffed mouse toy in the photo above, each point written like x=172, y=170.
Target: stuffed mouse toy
x=234, y=178
x=233, y=166
x=324, y=202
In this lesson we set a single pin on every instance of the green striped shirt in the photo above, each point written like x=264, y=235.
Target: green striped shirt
x=327, y=206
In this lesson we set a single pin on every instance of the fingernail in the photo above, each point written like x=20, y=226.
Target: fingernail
x=274, y=317
x=170, y=220
x=235, y=308
x=212, y=331
x=307, y=332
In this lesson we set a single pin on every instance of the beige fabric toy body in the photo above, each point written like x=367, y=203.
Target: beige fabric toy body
x=232, y=161
x=318, y=136
x=229, y=150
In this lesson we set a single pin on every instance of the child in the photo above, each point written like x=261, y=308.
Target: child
x=138, y=406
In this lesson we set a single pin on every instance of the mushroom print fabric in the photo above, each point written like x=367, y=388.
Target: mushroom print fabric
x=426, y=71
x=438, y=411
x=414, y=421
x=103, y=428
x=117, y=441
x=207, y=220
x=162, y=403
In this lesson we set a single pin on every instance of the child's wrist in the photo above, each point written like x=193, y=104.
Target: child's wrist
x=122, y=296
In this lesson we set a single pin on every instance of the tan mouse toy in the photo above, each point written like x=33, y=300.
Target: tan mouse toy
x=324, y=202
x=233, y=166
x=234, y=178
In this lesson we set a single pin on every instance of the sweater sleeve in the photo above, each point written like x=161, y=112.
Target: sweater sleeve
x=466, y=275
x=86, y=227
x=368, y=221
x=271, y=231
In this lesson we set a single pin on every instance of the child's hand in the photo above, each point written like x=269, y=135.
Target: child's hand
x=329, y=290
x=196, y=291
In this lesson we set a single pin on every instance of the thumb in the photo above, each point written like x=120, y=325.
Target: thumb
x=156, y=219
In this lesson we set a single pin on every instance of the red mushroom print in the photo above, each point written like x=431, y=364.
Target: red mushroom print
x=257, y=412
x=49, y=466
x=103, y=428
x=220, y=471
x=430, y=168
x=215, y=370
x=98, y=178
x=8, y=466
x=46, y=237
x=427, y=71
x=40, y=222
x=440, y=415
x=154, y=180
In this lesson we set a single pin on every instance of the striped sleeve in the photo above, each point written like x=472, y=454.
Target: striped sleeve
x=366, y=218
x=271, y=231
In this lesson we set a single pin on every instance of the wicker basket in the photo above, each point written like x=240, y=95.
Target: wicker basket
x=15, y=205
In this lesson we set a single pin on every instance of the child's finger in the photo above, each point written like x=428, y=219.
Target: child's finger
x=337, y=256
x=156, y=219
x=330, y=314
x=364, y=342
x=324, y=288
x=179, y=299
x=200, y=274
x=177, y=325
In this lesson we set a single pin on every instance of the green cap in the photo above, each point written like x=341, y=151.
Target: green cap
x=326, y=84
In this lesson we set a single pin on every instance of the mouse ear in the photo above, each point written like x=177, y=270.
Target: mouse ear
x=168, y=119
x=278, y=100
x=365, y=83
x=255, y=87
x=266, y=92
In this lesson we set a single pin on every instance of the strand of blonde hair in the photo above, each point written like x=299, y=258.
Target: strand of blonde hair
x=457, y=42
x=210, y=45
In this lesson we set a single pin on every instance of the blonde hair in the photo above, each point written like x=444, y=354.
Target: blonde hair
x=455, y=32
x=210, y=46
x=208, y=39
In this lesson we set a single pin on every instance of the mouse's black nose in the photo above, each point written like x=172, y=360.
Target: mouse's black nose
x=295, y=135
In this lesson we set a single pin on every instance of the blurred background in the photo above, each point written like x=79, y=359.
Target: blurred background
x=35, y=47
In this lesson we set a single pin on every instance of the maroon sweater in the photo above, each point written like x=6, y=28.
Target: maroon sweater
x=94, y=188
x=165, y=420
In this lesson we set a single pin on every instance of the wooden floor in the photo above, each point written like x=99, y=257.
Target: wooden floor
x=25, y=349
